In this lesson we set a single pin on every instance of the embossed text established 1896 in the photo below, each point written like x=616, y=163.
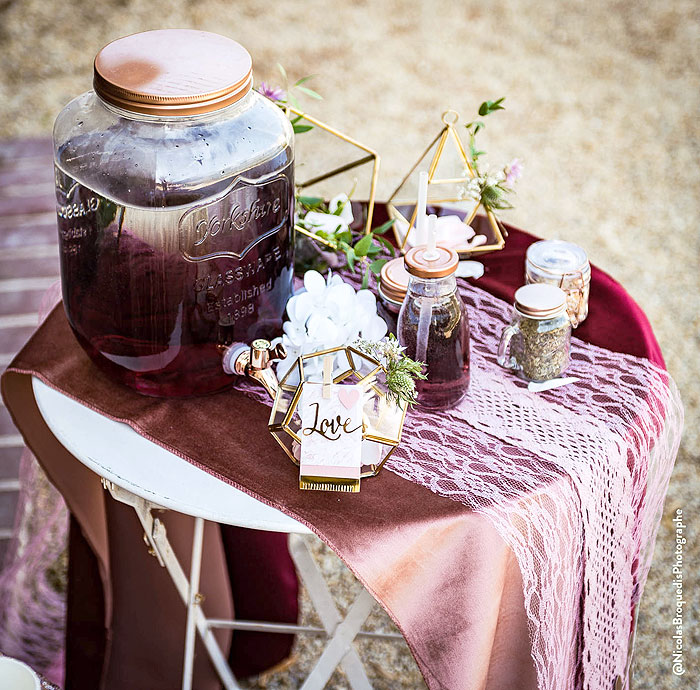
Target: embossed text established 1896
x=245, y=214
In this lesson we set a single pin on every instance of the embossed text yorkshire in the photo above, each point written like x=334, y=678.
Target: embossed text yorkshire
x=237, y=219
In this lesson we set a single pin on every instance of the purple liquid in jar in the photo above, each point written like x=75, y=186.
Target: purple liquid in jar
x=155, y=290
x=447, y=351
x=433, y=325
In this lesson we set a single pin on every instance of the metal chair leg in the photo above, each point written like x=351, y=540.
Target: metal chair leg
x=341, y=632
x=192, y=603
x=323, y=602
x=157, y=538
x=340, y=646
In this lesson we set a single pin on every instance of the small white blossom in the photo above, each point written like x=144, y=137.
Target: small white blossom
x=330, y=222
x=473, y=188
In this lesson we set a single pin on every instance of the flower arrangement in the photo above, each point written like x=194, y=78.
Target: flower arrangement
x=401, y=371
x=490, y=189
x=327, y=313
x=329, y=224
x=284, y=97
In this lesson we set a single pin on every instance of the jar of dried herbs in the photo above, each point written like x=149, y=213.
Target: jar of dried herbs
x=433, y=326
x=537, y=341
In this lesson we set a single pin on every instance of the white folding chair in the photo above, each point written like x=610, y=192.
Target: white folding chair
x=115, y=452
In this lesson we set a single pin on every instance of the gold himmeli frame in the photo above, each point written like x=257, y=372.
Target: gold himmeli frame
x=370, y=155
x=448, y=134
x=282, y=423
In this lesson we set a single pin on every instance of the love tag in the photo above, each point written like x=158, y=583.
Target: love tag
x=331, y=436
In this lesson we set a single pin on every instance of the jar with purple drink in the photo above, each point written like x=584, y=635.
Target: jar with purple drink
x=433, y=326
x=175, y=201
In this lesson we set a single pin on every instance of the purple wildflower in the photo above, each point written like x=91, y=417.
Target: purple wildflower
x=513, y=171
x=274, y=93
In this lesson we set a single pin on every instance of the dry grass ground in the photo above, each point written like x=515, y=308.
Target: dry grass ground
x=602, y=100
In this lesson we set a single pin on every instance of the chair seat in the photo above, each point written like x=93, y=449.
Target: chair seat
x=114, y=451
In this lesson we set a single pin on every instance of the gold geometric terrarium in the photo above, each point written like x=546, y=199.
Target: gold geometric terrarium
x=382, y=418
x=449, y=169
x=328, y=162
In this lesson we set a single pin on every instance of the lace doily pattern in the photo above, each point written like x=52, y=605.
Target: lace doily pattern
x=574, y=481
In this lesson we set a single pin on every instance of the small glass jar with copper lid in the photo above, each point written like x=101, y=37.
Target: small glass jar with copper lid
x=175, y=196
x=565, y=265
x=433, y=326
x=393, y=284
x=536, y=343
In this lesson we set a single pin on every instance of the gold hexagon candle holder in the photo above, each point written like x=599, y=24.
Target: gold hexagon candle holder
x=382, y=417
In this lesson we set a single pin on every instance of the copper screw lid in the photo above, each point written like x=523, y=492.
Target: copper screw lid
x=540, y=300
x=421, y=264
x=393, y=280
x=173, y=72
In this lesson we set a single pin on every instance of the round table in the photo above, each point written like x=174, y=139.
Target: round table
x=615, y=322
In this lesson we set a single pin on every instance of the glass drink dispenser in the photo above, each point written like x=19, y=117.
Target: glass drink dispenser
x=175, y=202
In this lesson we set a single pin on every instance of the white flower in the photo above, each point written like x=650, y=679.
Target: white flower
x=346, y=210
x=327, y=313
x=473, y=188
x=470, y=269
x=330, y=222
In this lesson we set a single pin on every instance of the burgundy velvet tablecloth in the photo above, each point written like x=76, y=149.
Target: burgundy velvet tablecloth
x=466, y=625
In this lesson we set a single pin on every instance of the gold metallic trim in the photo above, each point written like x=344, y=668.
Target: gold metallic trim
x=311, y=483
x=277, y=428
x=292, y=406
x=448, y=132
x=372, y=155
x=170, y=106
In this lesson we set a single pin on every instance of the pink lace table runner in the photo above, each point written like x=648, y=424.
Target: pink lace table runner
x=574, y=481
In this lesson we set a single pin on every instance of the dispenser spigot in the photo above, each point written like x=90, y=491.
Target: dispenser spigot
x=255, y=360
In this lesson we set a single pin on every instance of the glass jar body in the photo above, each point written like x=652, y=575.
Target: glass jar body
x=537, y=349
x=176, y=236
x=433, y=326
x=389, y=310
x=563, y=265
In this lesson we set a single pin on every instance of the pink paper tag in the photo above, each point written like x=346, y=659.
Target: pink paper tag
x=331, y=431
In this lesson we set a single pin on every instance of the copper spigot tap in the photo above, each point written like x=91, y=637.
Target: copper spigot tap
x=255, y=360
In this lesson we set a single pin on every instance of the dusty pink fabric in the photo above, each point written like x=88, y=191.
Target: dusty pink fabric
x=32, y=602
x=614, y=435
x=572, y=479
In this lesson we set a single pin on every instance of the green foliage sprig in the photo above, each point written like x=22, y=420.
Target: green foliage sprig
x=298, y=86
x=491, y=190
x=362, y=252
x=486, y=108
x=402, y=372
x=288, y=96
